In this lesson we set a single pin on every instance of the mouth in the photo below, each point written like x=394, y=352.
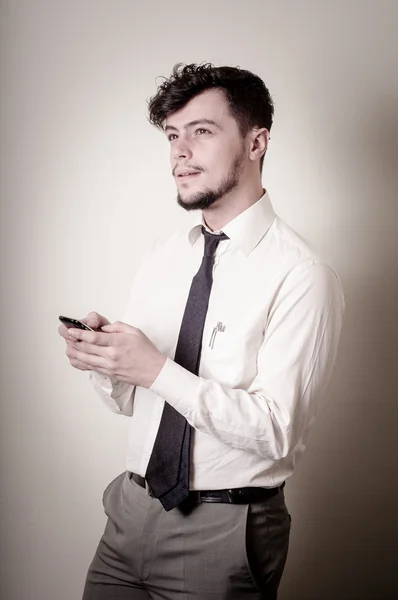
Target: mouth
x=188, y=175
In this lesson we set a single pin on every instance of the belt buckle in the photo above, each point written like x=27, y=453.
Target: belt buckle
x=237, y=496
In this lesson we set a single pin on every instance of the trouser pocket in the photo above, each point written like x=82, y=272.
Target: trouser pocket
x=267, y=543
x=115, y=482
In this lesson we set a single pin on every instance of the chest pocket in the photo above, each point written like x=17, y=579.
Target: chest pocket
x=232, y=339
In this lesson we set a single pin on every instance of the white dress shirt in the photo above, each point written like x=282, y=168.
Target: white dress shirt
x=269, y=345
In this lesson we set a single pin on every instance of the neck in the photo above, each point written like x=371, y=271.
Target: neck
x=231, y=205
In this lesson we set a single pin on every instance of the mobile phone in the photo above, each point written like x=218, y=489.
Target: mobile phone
x=69, y=322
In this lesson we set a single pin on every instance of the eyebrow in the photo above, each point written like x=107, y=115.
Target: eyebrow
x=192, y=124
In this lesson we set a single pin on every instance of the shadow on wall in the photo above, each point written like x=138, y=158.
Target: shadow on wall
x=344, y=542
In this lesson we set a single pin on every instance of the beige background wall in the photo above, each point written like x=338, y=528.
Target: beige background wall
x=85, y=187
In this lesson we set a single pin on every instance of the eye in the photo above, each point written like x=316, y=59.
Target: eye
x=201, y=130
x=172, y=137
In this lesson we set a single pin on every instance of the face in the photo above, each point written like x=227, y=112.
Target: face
x=207, y=151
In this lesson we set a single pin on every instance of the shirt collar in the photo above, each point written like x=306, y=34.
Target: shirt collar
x=245, y=230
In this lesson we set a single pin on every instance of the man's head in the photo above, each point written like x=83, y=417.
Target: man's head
x=217, y=120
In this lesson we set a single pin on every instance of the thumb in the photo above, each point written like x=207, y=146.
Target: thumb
x=93, y=320
x=117, y=327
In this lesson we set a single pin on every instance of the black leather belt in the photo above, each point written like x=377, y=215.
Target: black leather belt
x=246, y=495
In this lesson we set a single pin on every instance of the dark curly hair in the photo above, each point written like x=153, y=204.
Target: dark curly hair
x=248, y=98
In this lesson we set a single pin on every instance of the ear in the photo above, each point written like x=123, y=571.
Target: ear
x=259, y=143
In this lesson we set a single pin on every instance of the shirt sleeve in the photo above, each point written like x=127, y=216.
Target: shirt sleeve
x=294, y=366
x=119, y=395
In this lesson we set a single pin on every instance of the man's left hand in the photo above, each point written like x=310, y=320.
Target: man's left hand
x=121, y=352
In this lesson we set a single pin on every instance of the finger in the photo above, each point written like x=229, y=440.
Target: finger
x=93, y=320
x=83, y=367
x=92, y=337
x=119, y=327
x=90, y=361
x=88, y=348
x=79, y=365
x=103, y=372
x=64, y=332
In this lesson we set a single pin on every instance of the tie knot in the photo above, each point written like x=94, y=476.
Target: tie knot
x=212, y=240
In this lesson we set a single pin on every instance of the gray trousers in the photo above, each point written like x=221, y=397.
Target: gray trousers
x=216, y=552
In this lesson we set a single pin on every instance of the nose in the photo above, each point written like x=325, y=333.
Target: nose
x=181, y=150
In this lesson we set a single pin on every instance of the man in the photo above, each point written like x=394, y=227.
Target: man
x=226, y=348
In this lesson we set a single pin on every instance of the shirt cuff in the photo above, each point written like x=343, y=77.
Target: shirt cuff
x=177, y=386
x=116, y=394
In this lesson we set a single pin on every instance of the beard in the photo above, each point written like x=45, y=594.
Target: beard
x=207, y=197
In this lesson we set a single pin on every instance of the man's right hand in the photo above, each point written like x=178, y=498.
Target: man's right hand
x=93, y=320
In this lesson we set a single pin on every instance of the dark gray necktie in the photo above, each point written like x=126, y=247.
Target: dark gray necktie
x=168, y=469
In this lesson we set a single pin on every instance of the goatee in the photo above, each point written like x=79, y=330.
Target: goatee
x=208, y=197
